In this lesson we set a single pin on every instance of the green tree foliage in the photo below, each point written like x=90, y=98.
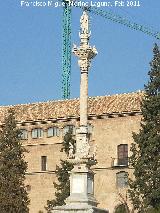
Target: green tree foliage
x=63, y=185
x=68, y=139
x=121, y=209
x=153, y=210
x=13, y=195
x=145, y=189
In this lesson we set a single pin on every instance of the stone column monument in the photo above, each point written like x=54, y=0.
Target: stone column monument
x=81, y=199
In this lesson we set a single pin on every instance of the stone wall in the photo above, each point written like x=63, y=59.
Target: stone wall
x=108, y=133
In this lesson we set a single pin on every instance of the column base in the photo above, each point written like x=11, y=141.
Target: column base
x=81, y=208
x=78, y=199
x=81, y=199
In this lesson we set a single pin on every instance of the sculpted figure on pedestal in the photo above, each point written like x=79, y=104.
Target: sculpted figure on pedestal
x=71, y=151
x=84, y=21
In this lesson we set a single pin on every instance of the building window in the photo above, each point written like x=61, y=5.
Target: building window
x=24, y=134
x=122, y=179
x=43, y=163
x=28, y=188
x=53, y=131
x=69, y=128
x=122, y=150
x=90, y=128
x=37, y=133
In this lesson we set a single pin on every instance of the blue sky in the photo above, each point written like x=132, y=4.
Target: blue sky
x=31, y=47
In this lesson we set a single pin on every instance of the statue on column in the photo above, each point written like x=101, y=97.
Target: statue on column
x=84, y=21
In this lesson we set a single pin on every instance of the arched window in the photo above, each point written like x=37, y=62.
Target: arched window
x=69, y=128
x=24, y=134
x=122, y=179
x=37, y=133
x=53, y=131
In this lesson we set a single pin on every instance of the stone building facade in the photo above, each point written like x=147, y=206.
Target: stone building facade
x=112, y=119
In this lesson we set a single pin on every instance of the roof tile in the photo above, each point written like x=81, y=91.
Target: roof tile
x=55, y=109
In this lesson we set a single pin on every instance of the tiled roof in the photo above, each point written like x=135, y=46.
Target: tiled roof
x=122, y=103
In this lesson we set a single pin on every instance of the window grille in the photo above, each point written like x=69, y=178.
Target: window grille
x=37, y=133
x=53, y=131
x=122, y=179
x=24, y=134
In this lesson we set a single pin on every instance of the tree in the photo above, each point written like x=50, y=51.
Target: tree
x=121, y=208
x=13, y=195
x=145, y=188
x=62, y=174
x=153, y=210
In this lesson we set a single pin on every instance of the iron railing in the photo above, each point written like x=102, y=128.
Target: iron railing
x=120, y=162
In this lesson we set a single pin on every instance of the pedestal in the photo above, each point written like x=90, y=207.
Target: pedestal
x=81, y=186
x=81, y=199
x=78, y=209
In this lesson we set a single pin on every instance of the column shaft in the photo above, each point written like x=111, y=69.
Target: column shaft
x=83, y=99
